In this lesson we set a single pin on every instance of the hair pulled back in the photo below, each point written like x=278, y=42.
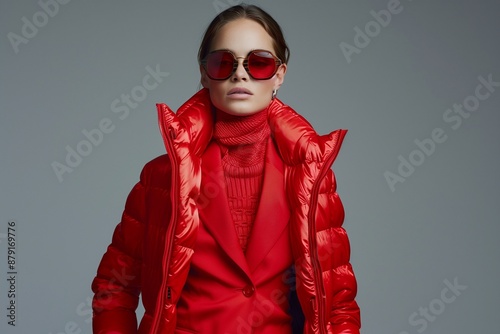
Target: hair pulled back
x=251, y=12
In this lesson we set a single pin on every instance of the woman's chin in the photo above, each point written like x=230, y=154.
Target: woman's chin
x=241, y=108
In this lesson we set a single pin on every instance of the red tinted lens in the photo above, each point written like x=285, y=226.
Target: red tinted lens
x=261, y=65
x=220, y=65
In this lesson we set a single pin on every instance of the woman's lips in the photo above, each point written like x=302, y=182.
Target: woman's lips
x=239, y=93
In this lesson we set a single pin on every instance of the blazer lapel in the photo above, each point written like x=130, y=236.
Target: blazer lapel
x=214, y=209
x=273, y=212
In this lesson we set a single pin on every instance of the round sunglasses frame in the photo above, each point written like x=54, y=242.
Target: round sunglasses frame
x=277, y=63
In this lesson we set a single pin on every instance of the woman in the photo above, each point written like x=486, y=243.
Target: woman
x=237, y=229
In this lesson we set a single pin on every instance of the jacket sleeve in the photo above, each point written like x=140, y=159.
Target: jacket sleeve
x=116, y=286
x=340, y=281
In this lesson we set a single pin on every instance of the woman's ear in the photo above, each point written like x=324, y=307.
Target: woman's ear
x=204, y=78
x=280, y=76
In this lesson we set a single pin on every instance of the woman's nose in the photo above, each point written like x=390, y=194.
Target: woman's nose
x=240, y=73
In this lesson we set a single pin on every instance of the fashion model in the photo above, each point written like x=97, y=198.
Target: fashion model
x=238, y=227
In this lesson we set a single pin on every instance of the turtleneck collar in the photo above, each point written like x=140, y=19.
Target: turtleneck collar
x=231, y=130
x=242, y=139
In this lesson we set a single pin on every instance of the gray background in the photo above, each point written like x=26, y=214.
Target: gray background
x=440, y=225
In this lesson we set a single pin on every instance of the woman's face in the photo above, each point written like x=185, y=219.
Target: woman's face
x=242, y=36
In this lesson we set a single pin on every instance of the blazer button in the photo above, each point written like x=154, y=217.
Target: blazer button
x=248, y=291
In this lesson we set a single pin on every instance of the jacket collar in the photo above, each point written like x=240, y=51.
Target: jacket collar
x=295, y=138
x=197, y=115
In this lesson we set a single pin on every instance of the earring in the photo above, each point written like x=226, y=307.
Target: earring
x=275, y=91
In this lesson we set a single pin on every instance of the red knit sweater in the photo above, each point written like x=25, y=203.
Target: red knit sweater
x=242, y=141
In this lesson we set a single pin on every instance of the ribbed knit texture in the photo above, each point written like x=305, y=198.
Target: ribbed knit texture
x=242, y=141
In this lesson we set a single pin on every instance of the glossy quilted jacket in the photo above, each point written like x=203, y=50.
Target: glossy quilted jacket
x=152, y=246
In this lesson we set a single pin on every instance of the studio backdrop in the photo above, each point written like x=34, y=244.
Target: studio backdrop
x=416, y=83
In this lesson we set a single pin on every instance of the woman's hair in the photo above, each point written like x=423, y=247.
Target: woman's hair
x=251, y=12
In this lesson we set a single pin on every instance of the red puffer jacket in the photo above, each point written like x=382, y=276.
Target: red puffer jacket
x=152, y=246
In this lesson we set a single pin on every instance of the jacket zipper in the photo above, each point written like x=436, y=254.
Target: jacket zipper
x=318, y=279
x=169, y=238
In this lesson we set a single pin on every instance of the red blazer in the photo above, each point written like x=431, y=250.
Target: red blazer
x=250, y=289
x=155, y=243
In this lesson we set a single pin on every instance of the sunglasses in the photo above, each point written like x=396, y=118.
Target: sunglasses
x=259, y=64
